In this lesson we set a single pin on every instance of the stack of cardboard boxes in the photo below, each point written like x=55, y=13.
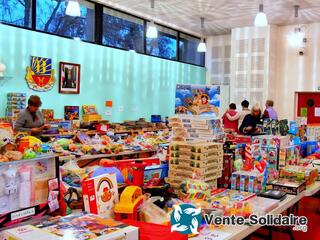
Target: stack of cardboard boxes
x=191, y=160
x=200, y=128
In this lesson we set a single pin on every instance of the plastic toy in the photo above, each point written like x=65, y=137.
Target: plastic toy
x=149, y=212
x=29, y=154
x=132, y=169
x=130, y=199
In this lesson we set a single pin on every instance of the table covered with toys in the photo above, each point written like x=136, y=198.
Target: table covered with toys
x=159, y=185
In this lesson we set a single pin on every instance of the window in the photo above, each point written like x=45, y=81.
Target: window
x=165, y=45
x=188, y=50
x=51, y=18
x=17, y=12
x=122, y=31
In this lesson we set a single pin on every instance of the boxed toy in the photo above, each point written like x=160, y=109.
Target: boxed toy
x=24, y=193
x=100, y=194
x=247, y=181
x=289, y=156
x=271, y=141
x=293, y=187
x=77, y=226
x=308, y=174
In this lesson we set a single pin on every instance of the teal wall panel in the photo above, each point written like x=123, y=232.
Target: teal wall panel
x=141, y=84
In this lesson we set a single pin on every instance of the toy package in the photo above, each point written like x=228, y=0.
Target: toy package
x=24, y=192
x=299, y=173
x=271, y=141
x=48, y=114
x=232, y=202
x=251, y=181
x=71, y=113
x=100, y=194
x=289, y=156
x=15, y=103
x=293, y=187
x=77, y=226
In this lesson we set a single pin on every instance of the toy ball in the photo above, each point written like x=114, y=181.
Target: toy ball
x=107, y=170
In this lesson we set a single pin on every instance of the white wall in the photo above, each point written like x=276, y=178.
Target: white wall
x=292, y=72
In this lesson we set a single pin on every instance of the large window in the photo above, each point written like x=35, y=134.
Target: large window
x=165, y=45
x=122, y=31
x=51, y=18
x=17, y=12
x=188, y=50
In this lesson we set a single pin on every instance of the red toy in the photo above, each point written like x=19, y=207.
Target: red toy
x=135, y=167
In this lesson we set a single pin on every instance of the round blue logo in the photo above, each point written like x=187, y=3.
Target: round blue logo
x=185, y=219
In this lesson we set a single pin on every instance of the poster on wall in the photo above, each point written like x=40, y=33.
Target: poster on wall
x=69, y=78
x=40, y=75
x=197, y=100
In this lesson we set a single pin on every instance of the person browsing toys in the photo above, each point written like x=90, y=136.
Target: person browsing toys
x=228, y=124
x=270, y=112
x=30, y=119
x=250, y=122
x=241, y=114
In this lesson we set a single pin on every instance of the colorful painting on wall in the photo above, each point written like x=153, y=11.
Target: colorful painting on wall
x=197, y=100
x=40, y=75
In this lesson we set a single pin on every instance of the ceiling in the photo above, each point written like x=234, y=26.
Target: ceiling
x=220, y=15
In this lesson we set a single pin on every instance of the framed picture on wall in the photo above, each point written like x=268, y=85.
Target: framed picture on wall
x=69, y=78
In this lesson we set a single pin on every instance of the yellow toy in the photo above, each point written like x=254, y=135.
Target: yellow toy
x=32, y=140
x=130, y=199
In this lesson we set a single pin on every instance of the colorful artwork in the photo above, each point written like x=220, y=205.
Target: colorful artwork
x=197, y=100
x=71, y=113
x=40, y=75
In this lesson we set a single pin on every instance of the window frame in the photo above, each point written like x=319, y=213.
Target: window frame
x=128, y=14
x=98, y=30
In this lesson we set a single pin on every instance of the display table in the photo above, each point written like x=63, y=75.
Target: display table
x=241, y=232
x=312, y=189
x=93, y=159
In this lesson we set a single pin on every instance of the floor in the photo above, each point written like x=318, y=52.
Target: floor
x=308, y=207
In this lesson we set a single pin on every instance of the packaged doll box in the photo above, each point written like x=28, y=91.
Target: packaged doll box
x=80, y=226
x=24, y=188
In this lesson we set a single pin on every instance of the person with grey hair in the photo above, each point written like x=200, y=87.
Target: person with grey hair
x=251, y=121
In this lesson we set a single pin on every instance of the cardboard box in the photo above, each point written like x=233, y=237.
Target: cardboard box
x=288, y=186
x=100, y=195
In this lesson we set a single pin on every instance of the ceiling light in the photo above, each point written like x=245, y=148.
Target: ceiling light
x=73, y=8
x=152, y=31
x=296, y=37
x=202, y=45
x=261, y=18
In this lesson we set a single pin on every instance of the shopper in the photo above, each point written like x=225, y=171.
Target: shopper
x=31, y=120
x=250, y=123
x=270, y=112
x=230, y=124
x=240, y=115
